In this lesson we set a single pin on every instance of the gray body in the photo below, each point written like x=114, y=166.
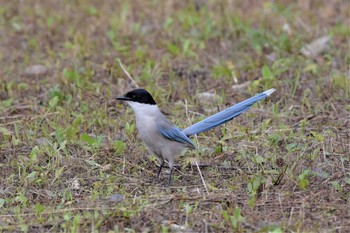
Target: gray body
x=148, y=119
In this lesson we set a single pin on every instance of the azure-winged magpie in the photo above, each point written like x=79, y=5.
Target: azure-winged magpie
x=166, y=141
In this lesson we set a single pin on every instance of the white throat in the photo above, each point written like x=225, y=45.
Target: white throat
x=142, y=110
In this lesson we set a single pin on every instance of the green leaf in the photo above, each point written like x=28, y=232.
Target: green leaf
x=173, y=48
x=305, y=174
x=31, y=176
x=39, y=208
x=58, y=173
x=255, y=183
x=276, y=230
x=49, y=22
x=63, y=145
x=236, y=218
x=259, y=159
x=168, y=22
x=17, y=26
x=129, y=129
x=76, y=221
x=5, y=131
x=188, y=208
x=53, y=102
x=98, y=141
x=88, y=139
x=33, y=156
x=347, y=180
x=119, y=147
x=292, y=146
x=77, y=121
x=225, y=215
x=71, y=133
x=186, y=46
x=2, y=202
x=21, y=198
x=71, y=75
x=237, y=212
x=318, y=136
x=6, y=103
x=313, y=68
x=252, y=201
x=92, y=163
x=266, y=73
x=336, y=185
x=24, y=227
x=303, y=183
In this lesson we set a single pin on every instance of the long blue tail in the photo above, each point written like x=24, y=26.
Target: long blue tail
x=225, y=115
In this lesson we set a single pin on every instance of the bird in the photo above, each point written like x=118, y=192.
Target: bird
x=166, y=141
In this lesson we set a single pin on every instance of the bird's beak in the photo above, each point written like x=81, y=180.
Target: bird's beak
x=123, y=98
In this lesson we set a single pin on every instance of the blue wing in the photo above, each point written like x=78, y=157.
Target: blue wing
x=225, y=115
x=175, y=134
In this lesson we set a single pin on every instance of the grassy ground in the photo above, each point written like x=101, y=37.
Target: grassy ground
x=70, y=156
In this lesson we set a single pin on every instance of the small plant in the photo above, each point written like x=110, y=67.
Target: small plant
x=130, y=129
x=235, y=219
x=188, y=210
x=93, y=142
x=254, y=188
x=119, y=147
x=75, y=223
x=22, y=199
x=38, y=210
x=303, y=179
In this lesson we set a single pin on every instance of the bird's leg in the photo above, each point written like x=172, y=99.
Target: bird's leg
x=160, y=168
x=170, y=175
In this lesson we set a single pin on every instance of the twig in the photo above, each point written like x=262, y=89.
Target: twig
x=189, y=120
x=127, y=73
x=134, y=199
x=83, y=89
x=310, y=117
x=26, y=116
x=204, y=184
x=291, y=216
x=123, y=170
